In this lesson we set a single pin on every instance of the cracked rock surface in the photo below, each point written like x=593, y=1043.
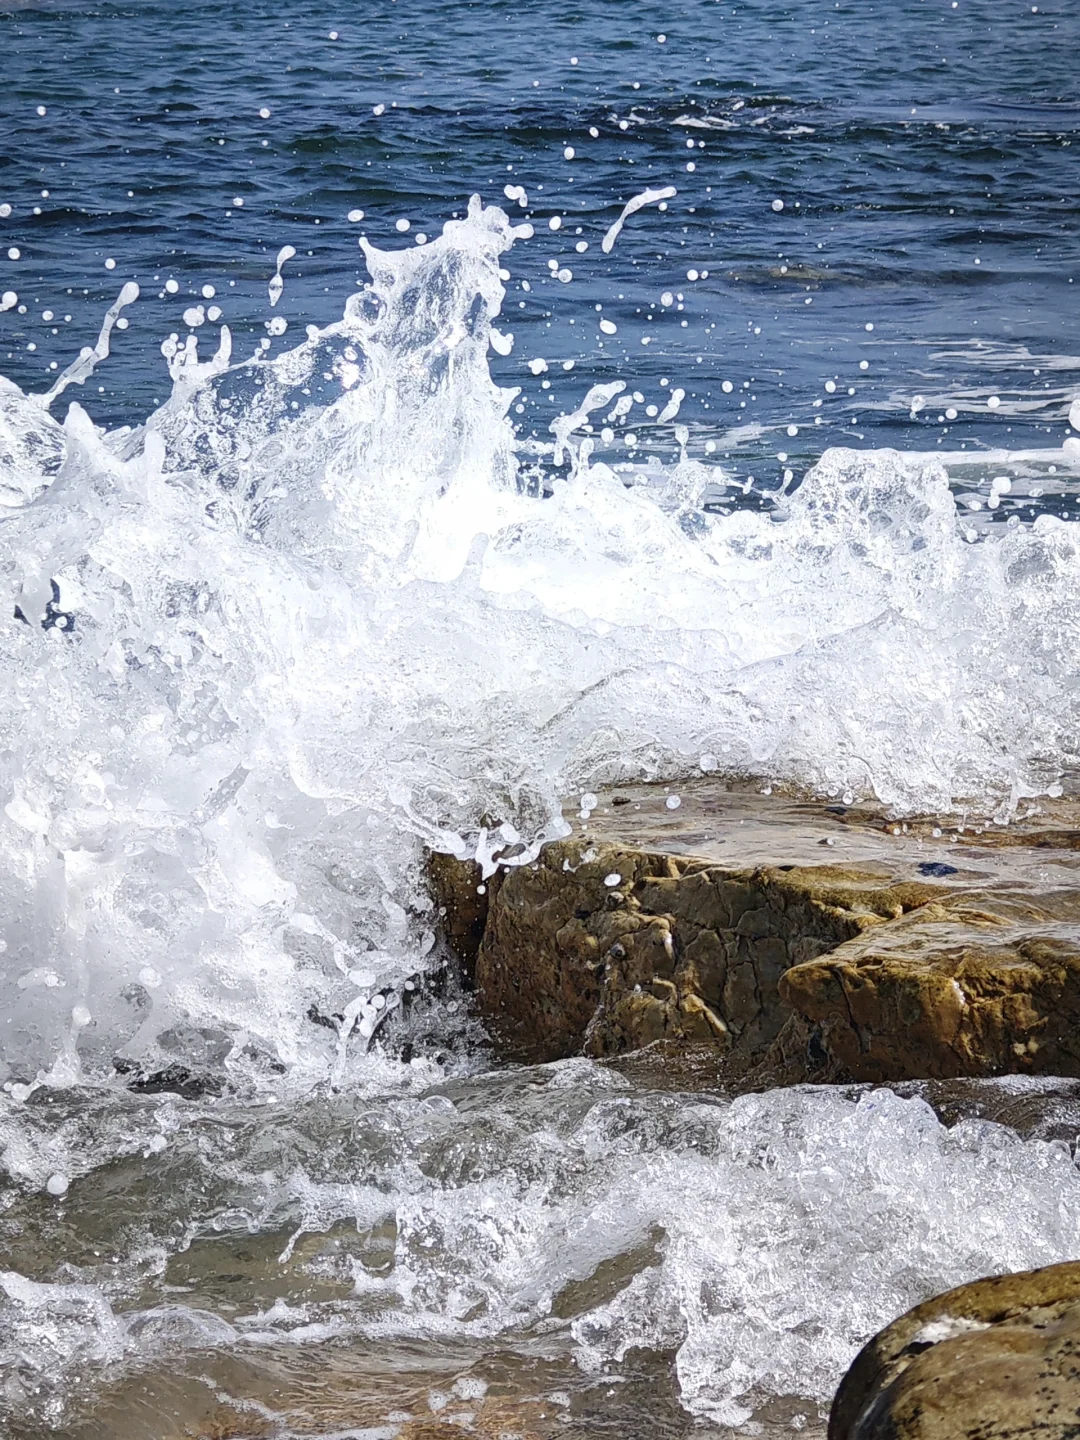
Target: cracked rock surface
x=798, y=942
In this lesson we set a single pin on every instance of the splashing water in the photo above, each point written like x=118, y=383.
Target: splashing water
x=325, y=610
x=647, y=197
x=757, y=1242
x=262, y=650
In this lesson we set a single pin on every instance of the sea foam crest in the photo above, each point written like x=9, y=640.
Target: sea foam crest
x=759, y=1243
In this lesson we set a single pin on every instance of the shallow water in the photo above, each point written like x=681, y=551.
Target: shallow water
x=545, y=1240
x=394, y=546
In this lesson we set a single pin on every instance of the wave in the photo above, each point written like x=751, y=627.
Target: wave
x=318, y=613
x=757, y=1243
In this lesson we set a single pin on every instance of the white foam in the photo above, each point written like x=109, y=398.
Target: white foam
x=292, y=642
x=797, y=1224
x=761, y=1242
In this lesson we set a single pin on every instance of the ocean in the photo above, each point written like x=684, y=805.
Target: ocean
x=413, y=417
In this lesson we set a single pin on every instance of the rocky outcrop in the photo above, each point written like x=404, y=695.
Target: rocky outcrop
x=898, y=956
x=462, y=899
x=976, y=984
x=604, y=949
x=998, y=1359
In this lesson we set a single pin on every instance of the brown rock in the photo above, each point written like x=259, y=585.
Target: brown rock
x=980, y=983
x=603, y=949
x=909, y=955
x=998, y=1359
x=462, y=901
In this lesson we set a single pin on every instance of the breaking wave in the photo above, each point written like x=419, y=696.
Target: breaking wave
x=323, y=610
x=757, y=1242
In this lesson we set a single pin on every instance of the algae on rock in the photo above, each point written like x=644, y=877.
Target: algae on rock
x=997, y=1359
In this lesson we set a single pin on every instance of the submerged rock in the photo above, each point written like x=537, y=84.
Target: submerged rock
x=998, y=1359
x=798, y=942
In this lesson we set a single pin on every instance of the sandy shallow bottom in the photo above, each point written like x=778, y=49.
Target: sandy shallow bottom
x=413, y=1392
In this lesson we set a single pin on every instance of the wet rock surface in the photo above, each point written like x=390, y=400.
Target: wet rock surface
x=998, y=1359
x=626, y=948
x=798, y=942
x=979, y=983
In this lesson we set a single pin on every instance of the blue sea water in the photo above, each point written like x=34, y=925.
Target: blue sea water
x=928, y=248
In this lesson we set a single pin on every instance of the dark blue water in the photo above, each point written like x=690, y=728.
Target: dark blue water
x=925, y=154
